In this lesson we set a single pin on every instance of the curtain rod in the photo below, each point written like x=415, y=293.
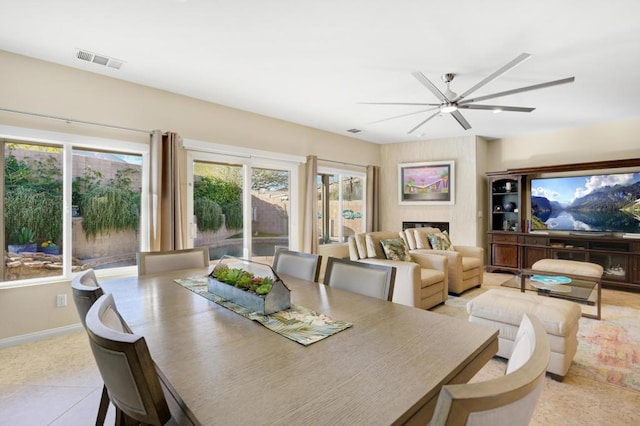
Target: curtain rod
x=69, y=120
x=342, y=162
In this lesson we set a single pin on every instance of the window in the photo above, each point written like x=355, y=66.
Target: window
x=341, y=205
x=69, y=205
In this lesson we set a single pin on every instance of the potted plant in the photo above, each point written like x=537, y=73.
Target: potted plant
x=49, y=247
x=22, y=240
x=256, y=288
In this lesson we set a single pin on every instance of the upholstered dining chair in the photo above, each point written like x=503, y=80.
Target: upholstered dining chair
x=507, y=400
x=152, y=262
x=362, y=278
x=86, y=290
x=128, y=371
x=305, y=266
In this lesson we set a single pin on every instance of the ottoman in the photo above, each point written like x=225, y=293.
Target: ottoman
x=571, y=267
x=504, y=309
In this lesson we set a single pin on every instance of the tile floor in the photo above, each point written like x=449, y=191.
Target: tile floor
x=55, y=382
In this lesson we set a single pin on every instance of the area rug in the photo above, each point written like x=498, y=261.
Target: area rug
x=297, y=323
x=608, y=350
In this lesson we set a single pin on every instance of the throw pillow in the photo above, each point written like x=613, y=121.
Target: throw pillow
x=422, y=240
x=440, y=241
x=396, y=249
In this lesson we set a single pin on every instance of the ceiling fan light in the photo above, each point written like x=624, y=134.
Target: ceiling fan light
x=448, y=108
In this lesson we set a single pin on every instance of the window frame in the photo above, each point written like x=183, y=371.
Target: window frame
x=340, y=172
x=68, y=142
x=248, y=158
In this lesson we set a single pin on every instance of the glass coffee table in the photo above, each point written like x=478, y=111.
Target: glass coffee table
x=577, y=288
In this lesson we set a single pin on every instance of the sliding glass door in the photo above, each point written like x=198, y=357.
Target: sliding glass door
x=239, y=206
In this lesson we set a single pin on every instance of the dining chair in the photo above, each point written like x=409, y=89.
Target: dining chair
x=151, y=262
x=86, y=290
x=506, y=400
x=363, y=278
x=135, y=388
x=305, y=266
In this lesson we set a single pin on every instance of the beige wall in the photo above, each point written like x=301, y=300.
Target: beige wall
x=611, y=141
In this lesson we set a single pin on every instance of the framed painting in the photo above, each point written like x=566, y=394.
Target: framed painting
x=426, y=183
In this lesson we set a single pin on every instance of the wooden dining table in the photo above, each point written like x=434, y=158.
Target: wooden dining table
x=387, y=368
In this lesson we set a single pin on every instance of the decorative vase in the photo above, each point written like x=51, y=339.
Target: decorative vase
x=22, y=248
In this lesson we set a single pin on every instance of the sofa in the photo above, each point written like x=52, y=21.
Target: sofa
x=421, y=282
x=465, y=263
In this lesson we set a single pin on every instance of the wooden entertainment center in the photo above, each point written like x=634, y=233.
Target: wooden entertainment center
x=512, y=248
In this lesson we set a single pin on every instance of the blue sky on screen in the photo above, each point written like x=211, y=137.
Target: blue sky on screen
x=566, y=189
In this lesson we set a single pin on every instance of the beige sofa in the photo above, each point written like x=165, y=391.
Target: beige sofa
x=421, y=283
x=466, y=263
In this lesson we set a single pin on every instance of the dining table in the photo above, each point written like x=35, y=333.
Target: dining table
x=387, y=368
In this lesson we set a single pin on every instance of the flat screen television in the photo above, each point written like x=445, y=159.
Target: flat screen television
x=600, y=203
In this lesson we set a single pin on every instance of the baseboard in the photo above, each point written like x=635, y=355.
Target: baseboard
x=40, y=335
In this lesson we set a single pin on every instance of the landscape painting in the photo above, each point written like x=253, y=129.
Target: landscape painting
x=601, y=203
x=426, y=183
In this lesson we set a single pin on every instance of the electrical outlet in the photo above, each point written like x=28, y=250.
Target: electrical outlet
x=61, y=300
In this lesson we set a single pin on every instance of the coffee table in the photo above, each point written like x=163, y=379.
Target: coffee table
x=578, y=288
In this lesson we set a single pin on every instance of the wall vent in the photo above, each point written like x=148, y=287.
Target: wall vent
x=99, y=59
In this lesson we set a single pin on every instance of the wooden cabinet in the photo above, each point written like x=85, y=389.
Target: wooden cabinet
x=619, y=257
x=635, y=262
x=504, y=252
x=534, y=248
x=512, y=249
x=506, y=203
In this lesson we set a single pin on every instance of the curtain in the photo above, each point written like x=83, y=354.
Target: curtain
x=373, y=198
x=310, y=225
x=167, y=199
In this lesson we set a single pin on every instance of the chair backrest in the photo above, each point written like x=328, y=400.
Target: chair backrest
x=367, y=244
x=125, y=365
x=507, y=400
x=86, y=290
x=305, y=266
x=151, y=262
x=363, y=278
x=416, y=238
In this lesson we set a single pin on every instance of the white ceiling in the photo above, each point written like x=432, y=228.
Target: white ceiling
x=313, y=63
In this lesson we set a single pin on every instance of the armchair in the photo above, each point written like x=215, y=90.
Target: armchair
x=466, y=263
x=421, y=283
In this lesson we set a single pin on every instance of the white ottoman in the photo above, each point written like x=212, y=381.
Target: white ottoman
x=571, y=267
x=504, y=309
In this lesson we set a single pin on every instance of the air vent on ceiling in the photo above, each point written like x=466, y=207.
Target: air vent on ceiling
x=99, y=59
x=354, y=130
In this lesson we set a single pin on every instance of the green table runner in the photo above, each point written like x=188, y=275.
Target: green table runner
x=297, y=323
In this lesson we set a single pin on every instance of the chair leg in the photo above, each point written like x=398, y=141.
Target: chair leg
x=104, y=406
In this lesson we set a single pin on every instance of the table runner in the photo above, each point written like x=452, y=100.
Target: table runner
x=297, y=323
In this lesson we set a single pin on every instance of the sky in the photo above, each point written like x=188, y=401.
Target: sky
x=566, y=189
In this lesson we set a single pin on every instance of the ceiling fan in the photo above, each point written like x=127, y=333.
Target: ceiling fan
x=451, y=103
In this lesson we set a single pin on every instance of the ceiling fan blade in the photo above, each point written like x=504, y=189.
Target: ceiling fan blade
x=497, y=108
x=429, y=85
x=403, y=115
x=460, y=119
x=521, y=58
x=422, y=122
x=520, y=90
x=397, y=103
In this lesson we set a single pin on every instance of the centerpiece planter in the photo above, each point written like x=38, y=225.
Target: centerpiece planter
x=245, y=280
